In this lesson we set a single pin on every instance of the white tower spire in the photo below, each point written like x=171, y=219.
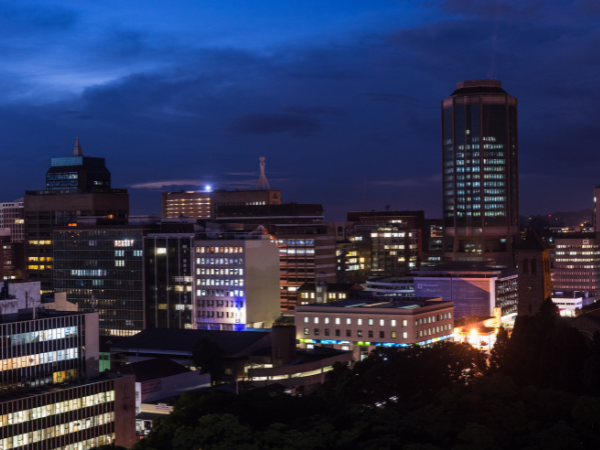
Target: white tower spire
x=262, y=184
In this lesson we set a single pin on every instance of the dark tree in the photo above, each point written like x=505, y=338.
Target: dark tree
x=209, y=358
x=500, y=357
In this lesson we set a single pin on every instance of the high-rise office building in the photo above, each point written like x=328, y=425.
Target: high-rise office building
x=236, y=282
x=12, y=216
x=99, y=267
x=306, y=244
x=63, y=204
x=576, y=265
x=596, y=213
x=480, y=173
x=78, y=171
x=204, y=204
x=52, y=398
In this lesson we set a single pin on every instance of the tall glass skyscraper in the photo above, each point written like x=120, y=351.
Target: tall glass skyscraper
x=480, y=173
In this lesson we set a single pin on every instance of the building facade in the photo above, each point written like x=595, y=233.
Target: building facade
x=100, y=268
x=535, y=282
x=576, y=265
x=12, y=216
x=204, y=204
x=475, y=291
x=46, y=209
x=480, y=173
x=168, y=280
x=236, y=283
x=362, y=326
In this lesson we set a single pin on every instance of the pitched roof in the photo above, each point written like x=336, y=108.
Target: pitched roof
x=166, y=340
x=152, y=369
x=77, y=150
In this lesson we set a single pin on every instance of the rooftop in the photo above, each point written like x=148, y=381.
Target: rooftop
x=465, y=270
x=384, y=303
x=151, y=369
x=172, y=340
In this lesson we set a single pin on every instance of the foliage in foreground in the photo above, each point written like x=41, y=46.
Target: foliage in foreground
x=540, y=394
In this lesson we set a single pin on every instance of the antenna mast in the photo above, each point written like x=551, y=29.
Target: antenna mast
x=262, y=184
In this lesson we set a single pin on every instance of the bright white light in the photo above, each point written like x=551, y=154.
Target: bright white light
x=208, y=188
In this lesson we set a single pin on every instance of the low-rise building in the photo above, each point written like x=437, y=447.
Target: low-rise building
x=324, y=292
x=361, y=325
x=397, y=286
x=475, y=290
x=569, y=301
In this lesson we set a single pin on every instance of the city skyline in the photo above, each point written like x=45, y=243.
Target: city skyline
x=316, y=89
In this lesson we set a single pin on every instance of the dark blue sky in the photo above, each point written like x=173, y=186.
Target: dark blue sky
x=336, y=94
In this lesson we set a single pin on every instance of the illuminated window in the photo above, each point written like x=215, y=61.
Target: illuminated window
x=161, y=251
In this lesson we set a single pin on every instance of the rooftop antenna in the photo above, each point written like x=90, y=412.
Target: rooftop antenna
x=262, y=184
x=77, y=151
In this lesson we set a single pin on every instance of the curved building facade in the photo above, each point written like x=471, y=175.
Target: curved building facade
x=480, y=173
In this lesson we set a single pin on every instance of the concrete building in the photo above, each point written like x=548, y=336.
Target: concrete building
x=576, y=265
x=236, y=282
x=480, y=173
x=397, y=286
x=50, y=395
x=475, y=291
x=307, y=246
x=12, y=261
x=178, y=345
x=12, y=216
x=204, y=204
x=323, y=292
x=569, y=302
x=361, y=326
x=80, y=172
x=76, y=186
x=100, y=268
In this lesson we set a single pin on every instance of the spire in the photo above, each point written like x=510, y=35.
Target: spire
x=262, y=184
x=77, y=151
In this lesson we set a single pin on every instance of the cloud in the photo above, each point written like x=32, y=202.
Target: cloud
x=166, y=183
x=254, y=124
x=327, y=111
x=433, y=179
x=18, y=19
x=392, y=98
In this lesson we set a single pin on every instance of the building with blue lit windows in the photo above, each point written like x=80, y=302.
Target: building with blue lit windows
x=480, y=173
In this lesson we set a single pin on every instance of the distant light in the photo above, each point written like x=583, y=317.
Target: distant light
x=208, y=188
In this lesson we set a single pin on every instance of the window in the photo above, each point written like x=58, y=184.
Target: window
x=120, y=263
x=393, y=335
x=405, y=323
x=359, y=333
x=404, y=335
x=393, y=323
x=306, y=320
x=381, y=322
x=348, y=321
x=359, y=321
x=326, y=331
x=337, y=333
x=120, y=253
x=381, y=334
x=348, y=333
x=306, y=332
x=161, y=251
x=337, y=321
x=370, y=322
x=316, y=331
x=316, y=320
x=370, y=333
x=326, y=320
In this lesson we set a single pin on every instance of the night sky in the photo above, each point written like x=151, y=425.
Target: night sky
x=342, y=97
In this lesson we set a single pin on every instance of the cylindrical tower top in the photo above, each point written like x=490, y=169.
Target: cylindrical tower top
x=479, y=87
x=475, y=83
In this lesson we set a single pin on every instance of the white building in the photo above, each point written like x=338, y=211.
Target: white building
x=361, y=325
x=236, y=282
x=568, y=301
